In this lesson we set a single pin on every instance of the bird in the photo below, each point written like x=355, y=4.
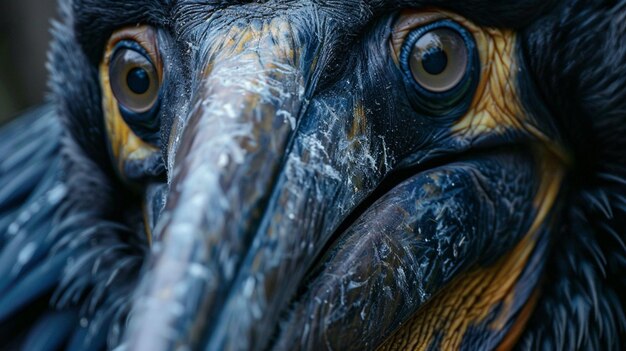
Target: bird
x=320, y=175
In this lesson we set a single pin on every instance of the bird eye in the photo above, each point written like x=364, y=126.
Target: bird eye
x=135, y=84
x=441, y=62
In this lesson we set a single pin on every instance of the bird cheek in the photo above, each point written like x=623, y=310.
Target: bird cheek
x=491, y=303
x=398, y=258
x=495, y=107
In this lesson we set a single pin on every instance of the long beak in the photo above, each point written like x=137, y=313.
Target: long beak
x=257, y=192
x=230, y=152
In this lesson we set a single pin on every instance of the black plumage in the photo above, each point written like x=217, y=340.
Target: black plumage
x=72, y=248
x=577, y=55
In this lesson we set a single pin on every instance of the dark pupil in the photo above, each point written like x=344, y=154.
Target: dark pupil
x=434, y=61
x=138, y=80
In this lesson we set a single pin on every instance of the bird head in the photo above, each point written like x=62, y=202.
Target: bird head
x=323, y=174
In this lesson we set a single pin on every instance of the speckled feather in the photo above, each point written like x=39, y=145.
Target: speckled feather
x=71, y=261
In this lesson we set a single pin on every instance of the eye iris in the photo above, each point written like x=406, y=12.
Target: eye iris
x=434, y=61
x=138, y=80
x=439, y=59
x=134, y=79
x=135, y=84
x=440, y=65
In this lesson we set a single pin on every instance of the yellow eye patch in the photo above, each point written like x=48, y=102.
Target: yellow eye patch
x=131, y=88
x=495, y=108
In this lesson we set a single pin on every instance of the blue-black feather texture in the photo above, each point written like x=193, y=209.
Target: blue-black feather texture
x=577, y=56
x=67, y=256
x=62, y=258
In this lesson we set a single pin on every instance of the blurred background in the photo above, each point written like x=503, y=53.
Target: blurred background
x=24, y=39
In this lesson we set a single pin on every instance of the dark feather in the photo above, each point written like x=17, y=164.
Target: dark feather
x=63, y=240
x=577, y=55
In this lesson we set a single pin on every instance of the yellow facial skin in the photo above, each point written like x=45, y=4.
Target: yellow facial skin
x=495, y=108
x=124, y=144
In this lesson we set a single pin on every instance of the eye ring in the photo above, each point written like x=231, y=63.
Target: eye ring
x=440, y=62
x=136, y=85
